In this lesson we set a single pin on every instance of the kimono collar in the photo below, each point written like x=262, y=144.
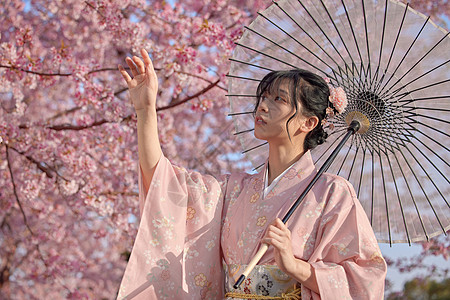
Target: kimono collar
x=301, y=168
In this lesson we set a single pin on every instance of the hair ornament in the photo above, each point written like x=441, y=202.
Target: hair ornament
x=338, y=100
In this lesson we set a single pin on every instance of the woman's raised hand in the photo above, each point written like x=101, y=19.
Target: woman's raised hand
x=144, y=84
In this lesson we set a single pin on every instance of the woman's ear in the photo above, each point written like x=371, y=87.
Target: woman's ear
x=309, y=123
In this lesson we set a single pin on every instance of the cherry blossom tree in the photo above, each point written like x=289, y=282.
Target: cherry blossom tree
x=68, y=152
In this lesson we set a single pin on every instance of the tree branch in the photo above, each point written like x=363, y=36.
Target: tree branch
x=77, y=127
x=40, y=165
x=34, y=72
x=190, y=97
x=15, y=191
x=103, y=121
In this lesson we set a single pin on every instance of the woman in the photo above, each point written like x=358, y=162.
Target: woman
x=197, y=232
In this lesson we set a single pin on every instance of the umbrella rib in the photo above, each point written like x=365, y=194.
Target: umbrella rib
x=385, y=198
x=428, y=159
x=383, y=180
x=375, y=79
x=353, y=32
x=404, y=56
x=412, y=195
x=348, y=83
x=372, y=151
x=409, y=189
x=401, y=96
x=386, y=134
x=423, y=169
x=408, y=101
x=256, y=147
x=435, y=129
x=285, y=49
x=338, y=32
x=323, y=32
x=367, y=42
x=435, y=154
x=396, y=187
x=428, y=52
x=393, y=48
x=269, y=56
x=241, y=77
x=242, y=95
x=254, y=169
x=410, y=109
x=398, y=196
x=250, y=64
x=346, y=155
x=243, y=131
x=409, y=112
x=306, y=48
x=423, y=191
x=433, y=118
x=298, y=42
x=417, y=78
x=373, y=187
x=353, y=163
x=361, y=173
x=240, y=113
x=331, y=145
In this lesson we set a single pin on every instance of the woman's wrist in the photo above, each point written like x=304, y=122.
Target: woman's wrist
x=303, y=272
x=148, y=111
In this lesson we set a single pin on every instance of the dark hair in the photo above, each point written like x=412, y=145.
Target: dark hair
x=307, y=88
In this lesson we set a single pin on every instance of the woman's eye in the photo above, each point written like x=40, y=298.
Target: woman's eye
x=279, y=98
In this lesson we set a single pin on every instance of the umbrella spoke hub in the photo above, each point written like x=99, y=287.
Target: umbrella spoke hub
x=361, y=118
x=376, y=107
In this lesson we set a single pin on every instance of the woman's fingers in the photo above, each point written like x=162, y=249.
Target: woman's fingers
x=277, y=232
x=147, y=61
x=132, y=66
x=139, y=64
x=124, y=74
x=278, y=227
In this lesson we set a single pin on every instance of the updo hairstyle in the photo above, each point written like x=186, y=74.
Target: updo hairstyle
x=305, y=87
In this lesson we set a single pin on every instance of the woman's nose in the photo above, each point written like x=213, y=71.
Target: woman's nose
x=262, y=106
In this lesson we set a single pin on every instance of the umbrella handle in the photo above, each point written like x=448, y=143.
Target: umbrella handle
x=251, y=264
x=353, y=127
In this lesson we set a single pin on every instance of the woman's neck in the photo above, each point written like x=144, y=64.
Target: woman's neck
x=282, y=157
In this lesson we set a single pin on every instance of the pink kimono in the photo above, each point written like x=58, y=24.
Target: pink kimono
x=191, y=224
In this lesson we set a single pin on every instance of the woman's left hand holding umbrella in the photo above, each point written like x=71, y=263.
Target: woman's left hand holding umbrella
x=279, y=236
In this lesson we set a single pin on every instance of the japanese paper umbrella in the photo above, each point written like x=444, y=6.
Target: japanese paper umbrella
x=393, y=63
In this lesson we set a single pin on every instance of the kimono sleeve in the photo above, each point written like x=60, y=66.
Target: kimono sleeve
x=176, y=254
x=347, y=260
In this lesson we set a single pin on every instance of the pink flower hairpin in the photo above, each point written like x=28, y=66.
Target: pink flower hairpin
x=338, y=100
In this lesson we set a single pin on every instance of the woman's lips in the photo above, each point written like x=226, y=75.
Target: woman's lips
x=260, y=121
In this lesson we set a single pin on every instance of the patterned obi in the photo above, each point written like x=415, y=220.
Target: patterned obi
x=263, y=282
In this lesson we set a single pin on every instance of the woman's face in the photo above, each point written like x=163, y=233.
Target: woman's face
x=273, y=112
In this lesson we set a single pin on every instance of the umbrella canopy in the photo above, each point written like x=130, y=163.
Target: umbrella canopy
x=393, y=63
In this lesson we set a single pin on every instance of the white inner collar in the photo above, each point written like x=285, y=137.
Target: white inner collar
x=267, y=189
